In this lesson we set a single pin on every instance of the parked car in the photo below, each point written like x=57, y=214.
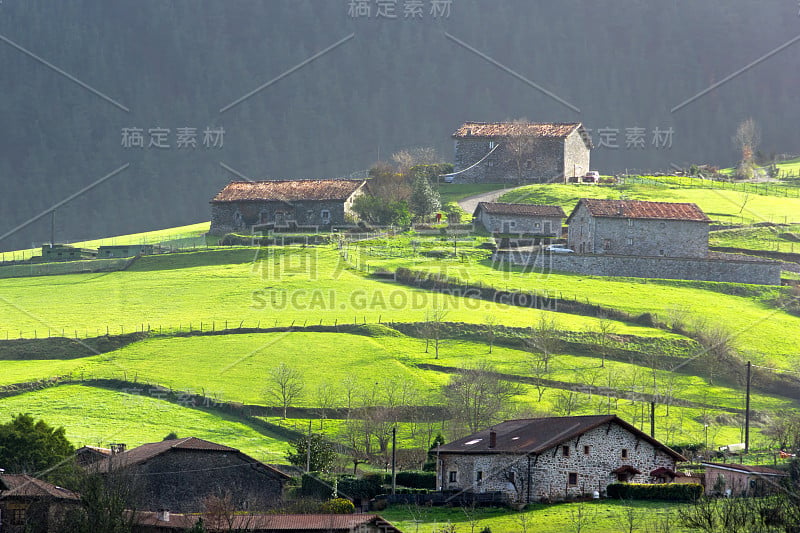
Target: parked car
x=559, y=249
x=592, y=176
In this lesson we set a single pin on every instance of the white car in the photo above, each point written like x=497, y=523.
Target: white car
x=558, y=249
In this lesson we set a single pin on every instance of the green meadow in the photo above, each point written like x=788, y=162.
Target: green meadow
x=96, y=417
x=727, y=206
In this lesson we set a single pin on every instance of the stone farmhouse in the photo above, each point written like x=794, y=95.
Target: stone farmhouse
x=520, y=151
x=742, y=480
x=632, y=227
x=549, y=459
x=240, y=205
x=179, y=474
x=31, y=504
x=520, y=219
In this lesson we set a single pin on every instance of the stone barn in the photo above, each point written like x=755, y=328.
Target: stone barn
x=638, y=228
x=499, y=152
x=550, y=459
x=521, y=219
x=283, y=204
x=178, y=475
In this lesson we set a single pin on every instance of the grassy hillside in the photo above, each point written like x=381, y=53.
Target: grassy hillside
x=726, y=206
x=97, y=417
x=267, y=287
x=771, y=238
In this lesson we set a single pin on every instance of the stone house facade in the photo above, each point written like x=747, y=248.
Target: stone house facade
x=179, y=474
x=520, y=151
x=31, y=505
x=742, y=480
x=520, y=219
x=638, y=228
x=241, y=205
x=551, y=459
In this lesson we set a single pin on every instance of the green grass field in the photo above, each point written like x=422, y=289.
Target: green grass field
x=98, y=417
x=774, y=239
x=720, y=205
x=280, y=286
x=605, y=516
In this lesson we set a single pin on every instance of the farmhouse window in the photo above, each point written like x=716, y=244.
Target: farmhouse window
x=479, y=476
x=492, y=144
x=528, y=164
x=630, y=242
x=326, y=215
x=490, y=163
x=587, y=450
x=630, y=222
x=537, y=225
x=572, y=478
x=452, y=476
x=565, y=451
x=624, y=453
x=17, y=517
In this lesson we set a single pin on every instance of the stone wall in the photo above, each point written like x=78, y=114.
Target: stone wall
x=645, y=237
x=716, y=267
x=591, y=457
x=179, y=480
x=576, y=155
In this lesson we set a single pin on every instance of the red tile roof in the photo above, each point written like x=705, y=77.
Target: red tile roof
x=504, y=129
x=22, y=485
x=287, y=190
x=145, y=452
x=525, y=210
x=642, y=210
x=748, y=469
x=295, y=522
x=536, y=435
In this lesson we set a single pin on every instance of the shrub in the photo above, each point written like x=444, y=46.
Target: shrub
x=416, y=479
x=681, y=492
x=338, y=506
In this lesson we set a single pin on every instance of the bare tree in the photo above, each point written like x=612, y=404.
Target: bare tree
x=405, y=159
x=580, y=518
x=605, y=330
x=286, y=386
x=434, y=328
x=326, y=396
x=490, y=321
x=477, y=398
x=520, y=147
x=747, y=138
x=544, y=340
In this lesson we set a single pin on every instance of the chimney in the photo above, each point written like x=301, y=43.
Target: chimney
x=163, y=515
x=492, y=438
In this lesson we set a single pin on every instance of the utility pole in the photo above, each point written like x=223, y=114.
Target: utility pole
x=308, y=449
x=394, y=459
x=747, y=413
x=52, y=228
x=653, y=419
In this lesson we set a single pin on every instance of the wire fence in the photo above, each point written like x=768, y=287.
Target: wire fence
x=693, y=182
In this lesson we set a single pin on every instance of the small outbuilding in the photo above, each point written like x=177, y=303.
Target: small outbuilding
x=730, y=479
x=527, y=220
x=124, y=250
x=63, y=252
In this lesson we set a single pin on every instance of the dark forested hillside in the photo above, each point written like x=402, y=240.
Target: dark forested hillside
x=387, y=85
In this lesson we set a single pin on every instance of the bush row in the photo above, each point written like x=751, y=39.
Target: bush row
x=681, y=492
